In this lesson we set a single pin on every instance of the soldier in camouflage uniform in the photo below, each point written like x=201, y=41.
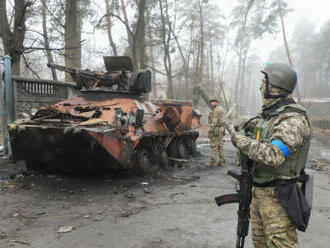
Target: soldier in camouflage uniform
x=216, y=133
x=278, y=148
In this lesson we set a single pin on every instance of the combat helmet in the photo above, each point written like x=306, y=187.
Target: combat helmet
x=280, y=75
x=213, y=99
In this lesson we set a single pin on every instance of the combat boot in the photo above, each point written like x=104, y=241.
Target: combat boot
x=221, y=163
x=211, y=163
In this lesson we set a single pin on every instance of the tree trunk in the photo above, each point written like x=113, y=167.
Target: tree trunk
x=140, y=35
x=166, y=38
x=286, y=44
x=13, y=40
x=129, y=32
x=243, y=92
x=239, y=71
x=201, y=42
x=211, y=64
x=109, y=27
x=46, y=41
x=73, y=21
x=151, y=56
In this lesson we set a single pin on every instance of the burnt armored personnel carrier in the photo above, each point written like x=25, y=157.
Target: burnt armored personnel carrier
x=107, y=126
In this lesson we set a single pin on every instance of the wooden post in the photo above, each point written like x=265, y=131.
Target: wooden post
x=2, y=111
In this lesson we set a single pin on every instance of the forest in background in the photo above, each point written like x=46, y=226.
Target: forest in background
x=184, y=43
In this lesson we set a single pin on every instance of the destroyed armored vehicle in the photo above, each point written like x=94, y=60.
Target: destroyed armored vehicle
x=107, y=126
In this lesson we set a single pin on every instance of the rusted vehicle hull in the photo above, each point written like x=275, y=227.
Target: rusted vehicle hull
x=109, y=126
x=54, y=149
x=99, y=131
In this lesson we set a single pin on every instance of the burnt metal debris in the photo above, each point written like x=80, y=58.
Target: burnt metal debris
x=108, y=126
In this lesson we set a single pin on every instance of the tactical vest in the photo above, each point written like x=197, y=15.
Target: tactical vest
x=294, y=163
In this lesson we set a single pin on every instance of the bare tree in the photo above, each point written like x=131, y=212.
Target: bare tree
x=139, y=36
x=280, y=12
x=128, y=29
x=151, y=53
x=46, y=40
x=13, y=38
x=166, y=32
x=241, y=43
x=109, y=28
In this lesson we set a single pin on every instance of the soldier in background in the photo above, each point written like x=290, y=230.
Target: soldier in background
x=278, y=149
x=216, y=133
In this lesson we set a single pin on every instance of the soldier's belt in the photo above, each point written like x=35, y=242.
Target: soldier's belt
x=274, y=183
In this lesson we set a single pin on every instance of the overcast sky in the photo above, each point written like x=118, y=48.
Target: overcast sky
x=317, y=11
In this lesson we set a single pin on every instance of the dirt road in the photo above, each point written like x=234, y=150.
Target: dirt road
x=175, y=209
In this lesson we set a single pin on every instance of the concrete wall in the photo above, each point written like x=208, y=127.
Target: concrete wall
x=35, y=93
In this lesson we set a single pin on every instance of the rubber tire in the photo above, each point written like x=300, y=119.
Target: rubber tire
x=163, y=159
x=172, y=149
x=193, y=148
x=183, y=151
x=142, y=165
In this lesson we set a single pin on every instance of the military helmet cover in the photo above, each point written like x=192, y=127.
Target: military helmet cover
x=281, y=75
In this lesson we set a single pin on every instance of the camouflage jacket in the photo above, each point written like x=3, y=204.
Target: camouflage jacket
x=291, y=129
x=216, y=116
x=215, y=127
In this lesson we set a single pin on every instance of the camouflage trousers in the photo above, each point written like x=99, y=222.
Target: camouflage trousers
x=271, y=225
x=217, y=152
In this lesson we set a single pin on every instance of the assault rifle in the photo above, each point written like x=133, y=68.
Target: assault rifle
x=243, y=197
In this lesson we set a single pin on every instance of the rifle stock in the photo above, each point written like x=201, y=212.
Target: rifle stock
x=243, y=197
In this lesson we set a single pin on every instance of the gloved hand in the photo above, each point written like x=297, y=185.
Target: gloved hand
x=234, y=139
x=229, y=126
x=234, y=134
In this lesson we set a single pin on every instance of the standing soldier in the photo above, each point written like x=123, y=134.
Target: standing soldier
x=278, y=149
x=216, y=133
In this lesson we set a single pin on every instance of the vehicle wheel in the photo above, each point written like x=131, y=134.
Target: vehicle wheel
x=172, y=149
x=183, y=151
x=142, y=165
x=192, y=147
x=163, y=159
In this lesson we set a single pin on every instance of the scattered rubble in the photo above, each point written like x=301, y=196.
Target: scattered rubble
x=147, y=190
x=318, y=165
x=65, y=229
x=129, y=195
x=3, y=235
x=19, y=242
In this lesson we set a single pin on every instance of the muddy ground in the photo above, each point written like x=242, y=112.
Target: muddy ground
x=174, y=209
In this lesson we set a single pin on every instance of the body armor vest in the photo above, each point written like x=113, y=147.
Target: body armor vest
x=294, y=164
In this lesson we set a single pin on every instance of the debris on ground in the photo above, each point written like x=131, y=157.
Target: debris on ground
x=318, y=165
x=130, y=212
x=128, y=194
x=3, y=235
x=124, y=214
x=65, y=229
x=175, y=194
x=147, y=190
x=19, y=242
x=182, y=179
x=9, y=184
